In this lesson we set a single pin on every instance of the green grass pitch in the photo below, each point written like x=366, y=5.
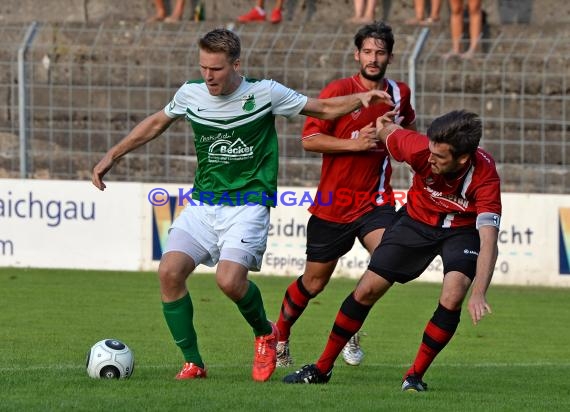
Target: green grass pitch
x=516, y=359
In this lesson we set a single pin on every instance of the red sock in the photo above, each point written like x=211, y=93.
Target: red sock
x=349, y=320
x=294, y=303
x=438, y=332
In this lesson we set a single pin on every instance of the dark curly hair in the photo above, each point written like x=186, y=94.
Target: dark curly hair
x=377, y=30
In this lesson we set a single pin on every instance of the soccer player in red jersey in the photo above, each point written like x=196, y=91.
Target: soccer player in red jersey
x=354, y=196
x=453, y=210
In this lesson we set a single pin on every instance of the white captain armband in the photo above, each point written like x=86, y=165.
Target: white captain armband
x=488, y=219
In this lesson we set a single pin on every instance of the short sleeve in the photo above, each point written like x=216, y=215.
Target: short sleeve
x=285, y=101
x=403, y=144
x=488, y=193
x=176, y=107
x=315, y=126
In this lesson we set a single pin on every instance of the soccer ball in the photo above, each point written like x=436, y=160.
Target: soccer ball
x=110, y=359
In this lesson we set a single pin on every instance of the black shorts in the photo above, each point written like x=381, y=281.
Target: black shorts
x=408, y=247
x=328, y=241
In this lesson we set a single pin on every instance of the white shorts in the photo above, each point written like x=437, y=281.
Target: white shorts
x=209, y=234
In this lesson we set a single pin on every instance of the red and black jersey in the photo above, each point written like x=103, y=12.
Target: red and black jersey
x=353, y=183
x=437, y=200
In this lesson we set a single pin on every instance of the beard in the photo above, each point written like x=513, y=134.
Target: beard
x=373, y=77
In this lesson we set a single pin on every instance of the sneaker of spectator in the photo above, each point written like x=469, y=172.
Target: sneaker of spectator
x=255, y=14
x=258, y=14
x=276, y=16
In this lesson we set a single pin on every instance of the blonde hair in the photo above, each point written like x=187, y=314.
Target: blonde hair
x=221, y=41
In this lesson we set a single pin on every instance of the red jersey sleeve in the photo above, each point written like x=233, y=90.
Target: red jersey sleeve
x=488, y=192
x=403, y=144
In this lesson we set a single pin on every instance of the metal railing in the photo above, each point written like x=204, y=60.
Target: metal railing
x=85, y=86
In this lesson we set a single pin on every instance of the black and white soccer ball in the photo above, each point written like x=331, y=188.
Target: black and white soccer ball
x=110, y=359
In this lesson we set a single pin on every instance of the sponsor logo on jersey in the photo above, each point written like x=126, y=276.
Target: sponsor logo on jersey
x=447, y=200
x=226, y=151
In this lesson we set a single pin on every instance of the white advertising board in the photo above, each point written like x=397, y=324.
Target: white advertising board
x=70, y=224
x=285, y=254
x=533, y=241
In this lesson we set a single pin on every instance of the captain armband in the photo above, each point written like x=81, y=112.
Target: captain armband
x=488, y=219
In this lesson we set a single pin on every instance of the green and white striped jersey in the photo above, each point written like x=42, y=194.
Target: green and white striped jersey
x=235, y=138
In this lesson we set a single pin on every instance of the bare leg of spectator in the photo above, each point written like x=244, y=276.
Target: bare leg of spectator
x=177, y=12
x=160, y=11
x=434, y=12
x=419, y=11
x=369, y=13
x=475, y=27
x=358, y=11
x=456, y=27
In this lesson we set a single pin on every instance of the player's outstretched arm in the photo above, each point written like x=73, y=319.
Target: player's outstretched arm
x=150, y=128
x=334, y=107
x=477, y=305
x=323, y=143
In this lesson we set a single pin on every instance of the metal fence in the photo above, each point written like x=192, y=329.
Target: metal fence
x=80, y=88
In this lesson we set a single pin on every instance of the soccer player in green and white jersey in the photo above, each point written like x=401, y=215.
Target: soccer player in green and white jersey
x=236, y=178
